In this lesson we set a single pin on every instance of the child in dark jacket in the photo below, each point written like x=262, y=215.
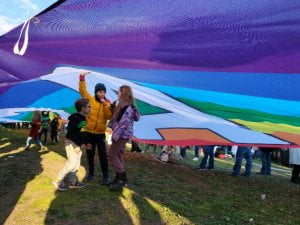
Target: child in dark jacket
x=75, y=138
x=35, y=130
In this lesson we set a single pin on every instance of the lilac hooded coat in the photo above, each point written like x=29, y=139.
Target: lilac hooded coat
x=124, y=128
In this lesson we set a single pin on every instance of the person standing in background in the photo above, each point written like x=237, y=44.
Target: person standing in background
x=295, y=161
x=45, y=126
x=243, y=152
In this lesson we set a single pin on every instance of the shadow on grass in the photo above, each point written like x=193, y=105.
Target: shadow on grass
x=157, y=194
x=176, y=194
x=95, y=204
x=17, y=168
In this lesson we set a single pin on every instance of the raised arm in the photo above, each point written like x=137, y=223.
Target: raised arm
x=82, y=86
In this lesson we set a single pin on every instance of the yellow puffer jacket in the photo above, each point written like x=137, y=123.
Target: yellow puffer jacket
x=99, y=114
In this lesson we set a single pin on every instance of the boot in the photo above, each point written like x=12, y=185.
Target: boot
x=119, y=183
x=115, y=179
x=124, y=178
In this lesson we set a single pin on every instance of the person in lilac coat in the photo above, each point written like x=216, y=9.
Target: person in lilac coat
x=125, y=113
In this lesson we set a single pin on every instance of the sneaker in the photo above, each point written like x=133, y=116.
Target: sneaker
x=60, y=185
x=76, y=185
x=201, y=169
x=195, y=159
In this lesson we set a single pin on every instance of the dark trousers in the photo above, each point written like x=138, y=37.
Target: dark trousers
x=183, y=152
x=45, y=132
x=116, y=155
x=97, y=141
x=295, y=173
x=208, y=152
x=135, y=147
x=197, y=151
x=54, y=136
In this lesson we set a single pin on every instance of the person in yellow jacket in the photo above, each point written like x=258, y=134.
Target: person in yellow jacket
x=96, y=127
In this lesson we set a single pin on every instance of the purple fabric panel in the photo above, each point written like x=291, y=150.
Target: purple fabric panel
x=237, y=36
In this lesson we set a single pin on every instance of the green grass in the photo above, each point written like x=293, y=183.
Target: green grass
x=157, y=194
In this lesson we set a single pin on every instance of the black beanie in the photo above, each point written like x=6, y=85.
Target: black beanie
x=100, y=87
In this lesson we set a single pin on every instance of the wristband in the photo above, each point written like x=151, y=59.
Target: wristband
x=81, y=77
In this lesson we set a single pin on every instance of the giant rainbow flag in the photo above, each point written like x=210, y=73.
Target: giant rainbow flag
x=203, y=72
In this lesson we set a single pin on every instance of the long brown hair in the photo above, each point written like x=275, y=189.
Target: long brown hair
x=37, y=115
x=126, y=98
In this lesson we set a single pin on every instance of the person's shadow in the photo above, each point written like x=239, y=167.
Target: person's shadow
x=17, y=168
x=96, y=204
x=144, y=201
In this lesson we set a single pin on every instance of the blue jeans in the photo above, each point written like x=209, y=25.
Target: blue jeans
x=266, y=163
x=31, y=139
x=243, y=152
x=208, y=151
x=197, y=151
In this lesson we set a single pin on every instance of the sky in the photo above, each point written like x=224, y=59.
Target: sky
x=15, y=12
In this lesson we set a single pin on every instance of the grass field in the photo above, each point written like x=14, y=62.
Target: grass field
x=157, y=193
